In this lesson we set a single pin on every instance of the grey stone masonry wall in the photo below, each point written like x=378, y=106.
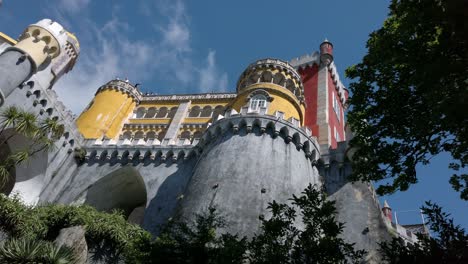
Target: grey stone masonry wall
x=35, y=96
x=15, y=68
x=254, y=160
x=245, y=163
x=356, y=203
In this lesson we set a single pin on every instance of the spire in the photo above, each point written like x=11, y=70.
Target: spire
x=385, y=205
x=387, y=211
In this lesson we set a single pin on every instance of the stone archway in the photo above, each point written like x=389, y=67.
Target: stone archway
x=122, y=189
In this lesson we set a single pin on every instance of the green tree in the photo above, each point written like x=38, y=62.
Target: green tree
x=449, y=245
x=278, y=241
x=197, y=242
x=409, y=94
x=319, y=241
x=108, y=234
x=41, y=133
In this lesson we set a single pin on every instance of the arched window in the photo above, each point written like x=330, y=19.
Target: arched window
x=162, y=112
x=279, y=79
x=161, y=135
x=127, y=135
x=257, y=102
x=139, y=135
x=151, y=112
x=185, y=134
x=195, y=111
x=206, y=112
x=172, y=112
x=151, y=135
x=219, y=110
x=197, y=134
x=140, y=112
x=266, y=76
x=290, y=85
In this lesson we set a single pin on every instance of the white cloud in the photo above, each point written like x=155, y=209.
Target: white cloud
x=210, y=78
x=108, y=52
x=73, y=5
x=110, y=55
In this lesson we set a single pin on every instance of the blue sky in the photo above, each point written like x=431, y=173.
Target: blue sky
x=173, y=46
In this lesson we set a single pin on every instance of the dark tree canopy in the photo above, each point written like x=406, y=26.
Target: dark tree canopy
x=409, y=96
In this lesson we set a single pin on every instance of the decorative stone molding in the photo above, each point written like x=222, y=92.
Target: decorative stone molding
x=264, y=124
x=207, y=96
x=259, y=92
x=124, y=87
x=126, y=150
x=340, y=88
x=143, y=126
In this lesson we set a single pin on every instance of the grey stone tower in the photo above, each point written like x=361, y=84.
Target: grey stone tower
x=39, y=44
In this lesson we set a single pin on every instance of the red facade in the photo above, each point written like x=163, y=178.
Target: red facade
x=309, y=77
x=335, y=114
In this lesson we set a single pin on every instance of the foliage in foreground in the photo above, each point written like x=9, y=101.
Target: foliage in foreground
x=199, y=241
x=450, y=245
x=105, y=232
x=279, y=239
x=410, y=94
x=42, y=133
x=26, y=250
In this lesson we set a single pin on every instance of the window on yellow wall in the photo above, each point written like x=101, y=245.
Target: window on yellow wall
x=206, y=112
x=172, y=112
x=257, y=102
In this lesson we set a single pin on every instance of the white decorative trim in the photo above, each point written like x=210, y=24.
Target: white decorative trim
x=306, y=60
x=340, y=88
x=175, y=97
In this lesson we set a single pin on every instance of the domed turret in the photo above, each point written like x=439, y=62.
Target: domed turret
x=271, y=86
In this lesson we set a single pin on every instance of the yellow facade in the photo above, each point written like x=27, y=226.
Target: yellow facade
x=283, y=101
x=122, y=112
x=106, y=114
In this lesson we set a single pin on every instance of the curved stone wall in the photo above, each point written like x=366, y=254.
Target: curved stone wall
x=245, y=164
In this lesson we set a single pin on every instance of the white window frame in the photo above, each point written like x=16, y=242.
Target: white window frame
x=337, y=135
x=336, y=107
x=256, y=102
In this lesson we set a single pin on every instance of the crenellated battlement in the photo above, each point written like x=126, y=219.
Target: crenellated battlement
x=152, y=149
x=340, y=88
x=306, y=60
x=124, y=87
